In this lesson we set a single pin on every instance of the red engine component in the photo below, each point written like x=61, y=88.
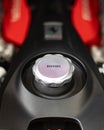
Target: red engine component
x=85, y=18
x=16, y=21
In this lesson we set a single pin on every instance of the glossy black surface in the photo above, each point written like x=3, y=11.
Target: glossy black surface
x=20, y=104
x=54, y=124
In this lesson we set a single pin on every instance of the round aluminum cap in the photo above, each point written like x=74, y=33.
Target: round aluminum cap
x=53, y=69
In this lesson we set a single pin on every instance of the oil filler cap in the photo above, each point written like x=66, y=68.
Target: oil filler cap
x=51, y=72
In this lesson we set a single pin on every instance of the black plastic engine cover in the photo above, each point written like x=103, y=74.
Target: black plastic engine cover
x=81, y=108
